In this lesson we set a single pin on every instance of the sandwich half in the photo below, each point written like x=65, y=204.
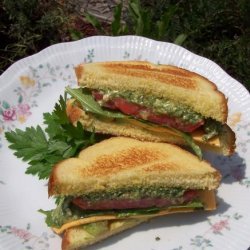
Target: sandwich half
x=122, y=179
x=150, y=102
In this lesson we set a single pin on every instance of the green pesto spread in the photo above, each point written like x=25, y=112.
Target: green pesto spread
x=66, y=211
x=211, y=128
x=135, y=193
x=158, y=105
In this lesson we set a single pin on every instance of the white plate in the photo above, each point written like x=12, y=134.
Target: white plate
x=31, y=87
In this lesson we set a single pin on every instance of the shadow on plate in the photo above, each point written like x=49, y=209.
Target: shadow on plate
x=232, y=167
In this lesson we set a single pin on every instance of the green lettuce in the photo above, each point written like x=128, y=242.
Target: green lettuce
x=84, y=97
x=63, y=213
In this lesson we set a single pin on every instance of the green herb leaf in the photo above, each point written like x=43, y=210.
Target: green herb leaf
x=180, y=39
x=94, y=21
x=116, y=23
x=41, y=169
x=56, y=216
x=84, y=97
x=192, y=204
x=29, y=144
x=164, y=23
x=189, y=140
x=131, y=212
x=212, y=128
x=65, y=213
x=64, y=140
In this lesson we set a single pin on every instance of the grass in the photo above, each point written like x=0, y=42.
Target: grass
x=218, y=30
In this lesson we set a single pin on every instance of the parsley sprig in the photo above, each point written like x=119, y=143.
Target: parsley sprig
x=42, y=149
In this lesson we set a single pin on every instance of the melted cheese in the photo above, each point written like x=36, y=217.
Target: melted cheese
x=207, y=197
x=196, y=135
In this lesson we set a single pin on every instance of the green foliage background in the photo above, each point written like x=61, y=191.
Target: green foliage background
x=218, y=30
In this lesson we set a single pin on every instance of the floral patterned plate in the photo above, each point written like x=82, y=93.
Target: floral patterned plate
x=31, y=87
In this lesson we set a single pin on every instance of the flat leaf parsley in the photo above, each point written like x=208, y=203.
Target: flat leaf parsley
x=42, y=149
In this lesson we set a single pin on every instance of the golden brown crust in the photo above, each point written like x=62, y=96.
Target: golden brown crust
x=66, y=243
x=79, y=71
x=173, y=75
x=120, y=162
x=52, y=181
x=73, y=111
x=224, y=106
x=162, y=81
x=124, y=160
x=163, y=75
x=145, y=66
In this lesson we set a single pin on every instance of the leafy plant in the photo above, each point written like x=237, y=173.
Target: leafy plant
x=95, y=22
x=26, y=26
x=117, y=27
x=84, y=97
x=44, y=148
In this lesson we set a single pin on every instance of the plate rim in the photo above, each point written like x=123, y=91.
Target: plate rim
x=44, y=51
x=55, y=47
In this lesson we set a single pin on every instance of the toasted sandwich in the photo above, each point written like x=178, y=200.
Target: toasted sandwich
x=126, y=179
x=160, y=103
x=89, y=234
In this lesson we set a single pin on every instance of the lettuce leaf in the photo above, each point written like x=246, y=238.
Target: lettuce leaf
x=63, y=214
x=84, y=97
x=190, y=142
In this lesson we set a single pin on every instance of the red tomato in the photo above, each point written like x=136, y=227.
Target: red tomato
x=144, y=113
x=174, y=122
x=126, y=107
x=189, y=195
x=97, y=95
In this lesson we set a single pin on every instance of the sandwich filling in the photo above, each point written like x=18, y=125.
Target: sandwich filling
x=122, y=203
x=125, y=105
x=156, y=110
x=114, y=106
x=125, y=201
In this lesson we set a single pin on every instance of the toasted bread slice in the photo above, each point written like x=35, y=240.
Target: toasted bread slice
x=121, y=162
x=161, y=81
x=77, y=237
x=223, y=144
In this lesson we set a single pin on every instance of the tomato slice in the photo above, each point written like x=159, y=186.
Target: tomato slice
x=97, y=95
x=174, y=122
x=145, y=202
x=138, y=111
x=126, y=107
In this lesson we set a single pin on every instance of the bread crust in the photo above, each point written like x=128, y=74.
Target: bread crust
x=161, y=81
x=77, y=237
x=121, y=162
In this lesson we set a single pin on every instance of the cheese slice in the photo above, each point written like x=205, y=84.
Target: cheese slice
x=206, y=197
x=196, y=135
x=75, y=113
